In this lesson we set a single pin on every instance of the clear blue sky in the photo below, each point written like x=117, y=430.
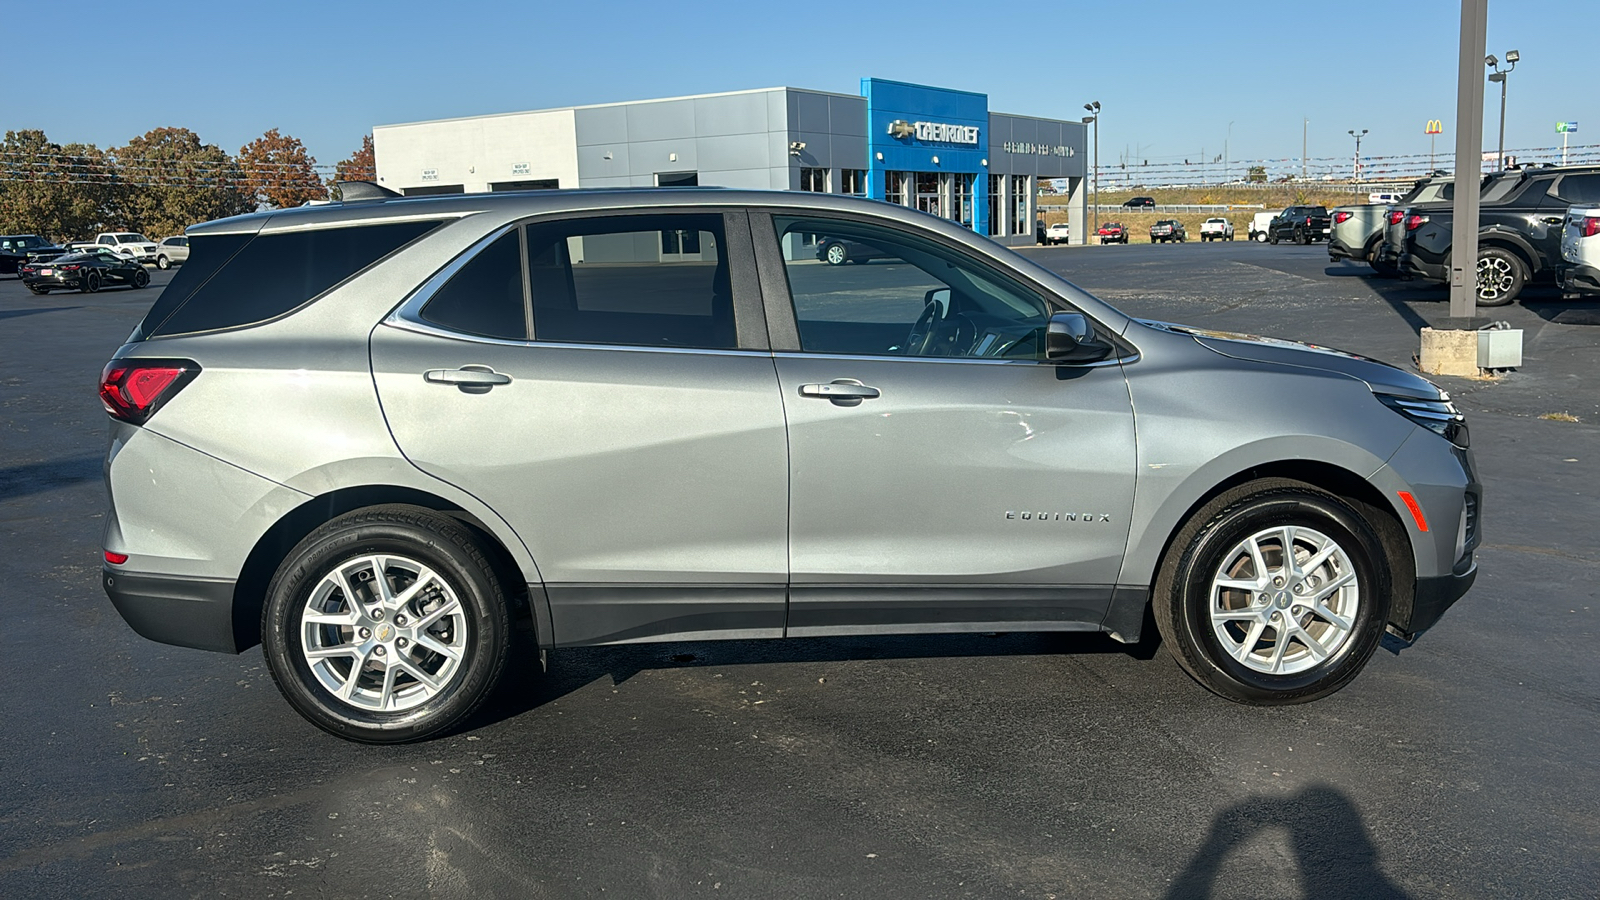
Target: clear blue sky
x=1170, y=75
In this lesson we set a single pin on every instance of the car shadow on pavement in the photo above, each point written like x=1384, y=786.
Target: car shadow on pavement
x=15, y=313
x=1331, y=846
x=1399, y=294
x=526, y=688
x=1564, y=312
x=35, y=478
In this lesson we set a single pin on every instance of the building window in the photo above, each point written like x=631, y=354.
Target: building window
x=928, y=193
x=677, y=179
x=815, y=180
x=961, y=198
x=853, y=182
x=994, y=204
x=895, y=188
x=1019, y=205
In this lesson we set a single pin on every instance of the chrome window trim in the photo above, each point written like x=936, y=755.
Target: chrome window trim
x=431, y=330
x=801, y=354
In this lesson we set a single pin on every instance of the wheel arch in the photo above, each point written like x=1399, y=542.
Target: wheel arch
x=1381, y=512
x=1515, y=244
x=249, y=593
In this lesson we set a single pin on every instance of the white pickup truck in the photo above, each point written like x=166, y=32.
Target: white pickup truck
x=127, y=245
x=1216, y=230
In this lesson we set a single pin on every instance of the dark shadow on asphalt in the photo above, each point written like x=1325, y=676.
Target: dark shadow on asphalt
x=1332, y=848
x=1565, y=312
x=1397, y=293
x=36, y=478
x=14, y=313
x=526, y=688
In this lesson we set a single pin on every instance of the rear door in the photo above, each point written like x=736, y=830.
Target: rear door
x=942, y=476
x=1547, y=223
x=619, y=410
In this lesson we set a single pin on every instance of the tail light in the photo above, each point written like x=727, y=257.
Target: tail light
x=1591, y=226
x=1341, y=217
x=1415, y=221
x=1308, y=221
x=1396, y=216
x=133, y=389
x=70, y=268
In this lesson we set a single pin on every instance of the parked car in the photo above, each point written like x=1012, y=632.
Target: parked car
x=1301, y=224
x=1167, y=230
x=1113, y=233
x=1058, y=233
x=1139, y=203
x=1038, y=231
x=1358, y=231
x=1258, y=225
x=87, y=271
x=1216, y=229
x=1394, y=232
x=172, y=251
x=1520, y=229
x=1579, y=269
x=748, y=447
x=128, y=245
x=838, y=251
x=16, y=249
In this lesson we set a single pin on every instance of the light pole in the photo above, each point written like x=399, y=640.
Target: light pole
x=1511, y=57
x=1305, y=126
x=1355, y=167
x=1226, y=159
x=1094, y=119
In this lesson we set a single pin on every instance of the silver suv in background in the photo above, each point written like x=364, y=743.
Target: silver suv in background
x=372, y=435
x=172, y=251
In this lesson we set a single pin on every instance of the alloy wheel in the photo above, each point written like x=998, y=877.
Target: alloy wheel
x=1284, y=600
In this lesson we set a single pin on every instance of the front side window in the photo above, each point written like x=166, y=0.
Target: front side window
x=909, y=296
x=654, y=281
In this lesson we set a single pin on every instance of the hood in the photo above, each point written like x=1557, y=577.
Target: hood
x=1379, y=376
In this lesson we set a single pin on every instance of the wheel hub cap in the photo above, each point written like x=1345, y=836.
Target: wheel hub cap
x=1285, y=600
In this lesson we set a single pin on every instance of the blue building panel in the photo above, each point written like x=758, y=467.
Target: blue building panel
x=916, y=128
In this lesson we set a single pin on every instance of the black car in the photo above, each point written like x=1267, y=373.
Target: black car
x=1140, y=203
x=1301, y=224
x=16, y=249
x=88, y=271
x=838, y=251
x=1520, y=221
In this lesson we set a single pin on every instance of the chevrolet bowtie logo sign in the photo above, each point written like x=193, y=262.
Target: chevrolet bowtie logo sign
x=934, y=132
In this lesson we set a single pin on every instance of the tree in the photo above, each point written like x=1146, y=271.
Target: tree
x=171, y=181
x=64, y=192
x=361, y=166
x=1257, y=175
x=278, y=172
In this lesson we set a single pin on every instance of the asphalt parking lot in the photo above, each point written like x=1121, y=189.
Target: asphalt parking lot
x=1013, y=765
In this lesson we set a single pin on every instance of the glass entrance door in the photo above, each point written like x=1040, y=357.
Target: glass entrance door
x=928, y=195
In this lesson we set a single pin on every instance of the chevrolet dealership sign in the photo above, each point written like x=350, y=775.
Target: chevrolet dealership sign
x=935, y=132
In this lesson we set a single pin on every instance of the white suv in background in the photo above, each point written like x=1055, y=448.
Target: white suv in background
x=127, y=245
x=172, y=251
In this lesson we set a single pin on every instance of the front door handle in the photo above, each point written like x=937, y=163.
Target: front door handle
x=473, y=379
x=842, y=391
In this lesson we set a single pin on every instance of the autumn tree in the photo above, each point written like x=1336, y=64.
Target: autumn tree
x=171, y=181
x=360, y=166
x=278, y=172
x=63, y=192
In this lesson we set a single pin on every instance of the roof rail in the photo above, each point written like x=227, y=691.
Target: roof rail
x=353, y=191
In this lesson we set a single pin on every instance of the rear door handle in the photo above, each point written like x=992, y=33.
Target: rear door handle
x=841, y=390
x=1554, y=220
x=467, y=377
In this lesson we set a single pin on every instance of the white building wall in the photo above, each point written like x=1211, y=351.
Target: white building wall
x=479, y=151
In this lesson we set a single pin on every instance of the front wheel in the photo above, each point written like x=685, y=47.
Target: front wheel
x=1272, y=238
x=386, y=625
x=836, y=255
x=1275, y=592
x=1500, y=277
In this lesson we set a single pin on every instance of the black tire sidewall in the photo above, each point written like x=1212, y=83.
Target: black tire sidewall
x=1519, y=277
x=474, y=584
x=1192, y=585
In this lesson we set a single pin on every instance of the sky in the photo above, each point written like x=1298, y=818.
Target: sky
x=1170, y=76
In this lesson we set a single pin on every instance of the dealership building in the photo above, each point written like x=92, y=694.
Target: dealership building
x=938, y=150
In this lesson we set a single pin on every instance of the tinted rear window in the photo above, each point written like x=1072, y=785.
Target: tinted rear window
x=234, y=280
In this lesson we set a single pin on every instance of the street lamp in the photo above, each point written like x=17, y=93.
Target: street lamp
x=1094, y=119
x=1355, y=168
x=1511, y=57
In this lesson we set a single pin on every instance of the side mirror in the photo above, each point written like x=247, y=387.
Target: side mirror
x=1070, y=338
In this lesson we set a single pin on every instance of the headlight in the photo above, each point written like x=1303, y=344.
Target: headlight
x=1438, y=416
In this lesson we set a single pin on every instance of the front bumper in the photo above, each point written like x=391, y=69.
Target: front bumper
x=1578, y=279
x=174, y=609
x=1432, y=598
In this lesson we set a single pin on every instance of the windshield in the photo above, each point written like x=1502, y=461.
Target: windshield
x=128, y=238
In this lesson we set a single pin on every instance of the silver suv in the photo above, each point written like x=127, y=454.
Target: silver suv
x=375, y=436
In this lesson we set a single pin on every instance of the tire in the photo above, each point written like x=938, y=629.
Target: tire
x=465, y=601
x=1272, y=238
x=1301, y=238
x=90, y=283
x=1501, y=276
x=163, y=263
x=1219, y=634
x=141, y=279
x=1261, y=237
x=836, y=254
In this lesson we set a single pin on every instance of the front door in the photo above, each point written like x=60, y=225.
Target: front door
x=634, y=440
x=942, y=475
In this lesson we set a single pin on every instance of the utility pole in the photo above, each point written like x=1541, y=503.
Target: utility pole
x=1469, y=165
x=1355, y=167
x=1305, y=126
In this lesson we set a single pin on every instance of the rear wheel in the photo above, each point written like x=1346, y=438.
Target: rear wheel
x=836, y=255
x=1500, y=277
x=162, y=262
x=91, y=283
x=386, y=625
x=141, y=278
x=1276, y=592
